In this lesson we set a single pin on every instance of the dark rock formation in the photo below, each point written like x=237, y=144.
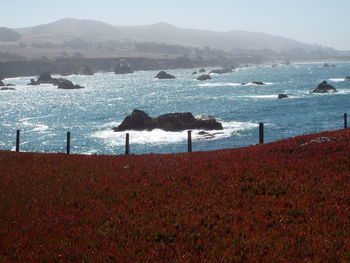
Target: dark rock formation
x=347, y=78
x=65, y=84
x=33, y=82
x=194, y=72
x=7, y=88
x=2, y=83
x=221, y=71
x=164, y=75
x=324, y=87
x=204, y=77
x=123, y=68
x=282, y=96
x=326, y=65
x=258, y=83
x=202, y=70
x=46, y=78
x=139, y=120
x=87, y=71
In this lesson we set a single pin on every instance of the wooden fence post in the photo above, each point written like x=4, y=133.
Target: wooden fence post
x=68, y=142
x=261, y=133
x=189, y=141
x=17, y=140
x=345, y=120
x=127, y=146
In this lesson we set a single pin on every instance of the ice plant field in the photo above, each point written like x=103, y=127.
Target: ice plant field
x=287, y=201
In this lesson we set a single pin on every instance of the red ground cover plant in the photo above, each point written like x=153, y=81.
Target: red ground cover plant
x=287, y=201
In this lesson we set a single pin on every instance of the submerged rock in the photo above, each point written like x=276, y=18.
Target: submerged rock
x=202, y=70
x=204, y=77
x=258, y=83
x=282, y=96
x=6, y=88
x=221, y=71
x=347, y=78
x=164, y=75
x=194, y=72
x=324, y=87
x=139, y=120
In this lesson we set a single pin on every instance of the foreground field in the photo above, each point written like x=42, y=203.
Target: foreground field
x=282, y=202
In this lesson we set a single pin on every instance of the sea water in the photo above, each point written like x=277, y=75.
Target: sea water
x=44, y=114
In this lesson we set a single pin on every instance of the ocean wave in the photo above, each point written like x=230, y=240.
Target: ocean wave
x=337, y=79
x=221, y=84
x=157, y=136
x=254, y=84
x=233, y=84
x=33, y=127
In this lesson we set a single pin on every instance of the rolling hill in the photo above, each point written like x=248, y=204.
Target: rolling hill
x=89, y=30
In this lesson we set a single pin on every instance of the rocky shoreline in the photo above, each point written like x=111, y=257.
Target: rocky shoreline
x=88, y=66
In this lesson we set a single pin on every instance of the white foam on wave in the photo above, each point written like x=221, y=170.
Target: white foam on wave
x=18, y=78
x=342, y=92
x=337, y=79
x=221, y=84
x=270, y=96
x=33, y=127
x=254, y=84
x=233, y=84
x=157, y=136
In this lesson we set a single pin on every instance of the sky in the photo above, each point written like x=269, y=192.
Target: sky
x=324, y=22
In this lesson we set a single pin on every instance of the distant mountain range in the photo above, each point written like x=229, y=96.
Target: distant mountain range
x=89, y=30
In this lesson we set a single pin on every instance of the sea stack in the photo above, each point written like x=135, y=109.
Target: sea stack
x=139, y=120
x=164, y=75
x=324, y=87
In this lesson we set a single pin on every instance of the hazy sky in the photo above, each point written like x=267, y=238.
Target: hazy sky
x=324, y=22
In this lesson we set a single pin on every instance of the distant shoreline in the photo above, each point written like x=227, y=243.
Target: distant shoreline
x=73, y=66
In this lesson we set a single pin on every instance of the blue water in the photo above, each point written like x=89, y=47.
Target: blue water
x=44, y=114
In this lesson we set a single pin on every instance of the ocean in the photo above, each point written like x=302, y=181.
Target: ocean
x=44, y=114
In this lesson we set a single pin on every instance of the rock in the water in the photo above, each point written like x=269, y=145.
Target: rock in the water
x=221, y=71
x=283, y=96
x=326, y=65
x=258, y=83
x=347, y=78
x=48, y=79
x=2, y=83
x=66, y=84
x=123, y=68
x=33, y=82
x=139, y=120
x=194, y=72
x=324, y=87
x=78, y=87
x=7, y=88
x=87, y=71
x=204, y=77
x=45, y=77
x=202, y=70
x=164, y=75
